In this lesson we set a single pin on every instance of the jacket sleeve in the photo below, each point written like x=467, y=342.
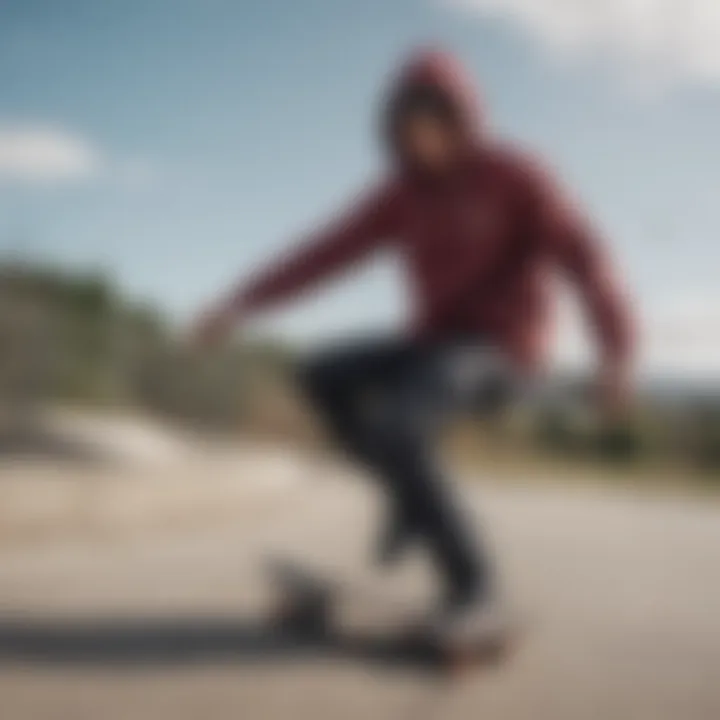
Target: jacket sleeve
x=578, y=250
x=363, y=228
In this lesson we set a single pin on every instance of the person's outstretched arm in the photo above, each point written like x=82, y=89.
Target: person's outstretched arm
x=367, y=225
x=583, y=256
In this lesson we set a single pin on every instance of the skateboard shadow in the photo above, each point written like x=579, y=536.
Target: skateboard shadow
x=122, y=641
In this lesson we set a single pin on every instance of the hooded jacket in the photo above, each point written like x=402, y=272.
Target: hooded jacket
x=479, y=244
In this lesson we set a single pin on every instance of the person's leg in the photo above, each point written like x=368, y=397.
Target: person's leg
x=385, y=403
x=344, y=386
x=406, y=438
x=340, y=383
x=437, y=383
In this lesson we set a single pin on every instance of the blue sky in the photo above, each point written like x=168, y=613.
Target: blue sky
x=178, y=143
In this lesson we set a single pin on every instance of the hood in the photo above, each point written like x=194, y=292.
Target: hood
x=441, y=73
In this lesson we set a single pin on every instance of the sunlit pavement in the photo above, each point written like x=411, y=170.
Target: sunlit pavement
x=621, y=595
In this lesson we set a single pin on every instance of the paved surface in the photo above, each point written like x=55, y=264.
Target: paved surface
x=623, y=594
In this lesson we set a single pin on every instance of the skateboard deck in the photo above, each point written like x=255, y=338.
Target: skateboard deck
x=310, y=606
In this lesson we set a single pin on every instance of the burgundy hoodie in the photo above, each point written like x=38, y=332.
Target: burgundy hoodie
x=479, y=244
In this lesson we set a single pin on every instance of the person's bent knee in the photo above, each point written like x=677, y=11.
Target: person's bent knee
x=316, y=379
x=308, y=379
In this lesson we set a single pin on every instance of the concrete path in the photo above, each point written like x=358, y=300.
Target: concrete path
x=624, y=596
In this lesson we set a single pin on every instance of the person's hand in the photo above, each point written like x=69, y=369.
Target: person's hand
x=214, y=326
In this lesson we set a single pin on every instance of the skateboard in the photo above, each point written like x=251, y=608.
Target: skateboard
x=309, y=607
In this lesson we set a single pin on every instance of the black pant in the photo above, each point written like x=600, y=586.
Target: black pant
x=385, y=402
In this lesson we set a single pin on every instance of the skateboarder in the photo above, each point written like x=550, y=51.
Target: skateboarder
x=479, y=227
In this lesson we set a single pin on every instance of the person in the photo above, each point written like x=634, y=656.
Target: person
x=480, y=226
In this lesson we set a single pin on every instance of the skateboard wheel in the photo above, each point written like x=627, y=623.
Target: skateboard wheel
x=301, y=615
x=460, y=658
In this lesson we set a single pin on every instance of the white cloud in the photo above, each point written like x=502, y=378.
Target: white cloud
x=683, y=337
x=40, y=155
x=679, y=37
x=45, y=155
x=679, y=338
